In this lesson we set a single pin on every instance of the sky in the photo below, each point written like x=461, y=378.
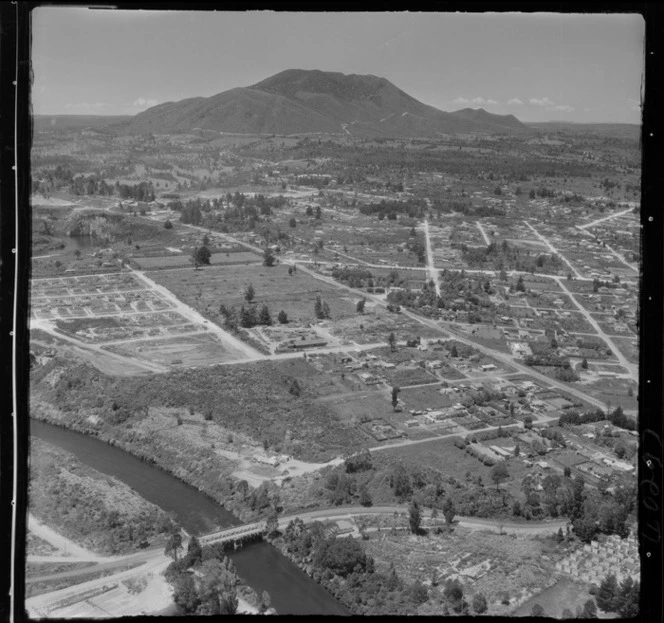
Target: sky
x=538, y=67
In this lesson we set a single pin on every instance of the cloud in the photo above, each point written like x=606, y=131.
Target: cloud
x=476, y=101
x=515, y=101
x=561, y=108
x=141, y=102
x=545, y=101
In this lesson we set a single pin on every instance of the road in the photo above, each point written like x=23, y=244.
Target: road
x=630, y=367
x=191, y=314
x=484, y=235
x=553, y=249
x=606, y=218
x=431, y=270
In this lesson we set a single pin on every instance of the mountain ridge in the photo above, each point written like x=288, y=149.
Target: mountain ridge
x=298, y=101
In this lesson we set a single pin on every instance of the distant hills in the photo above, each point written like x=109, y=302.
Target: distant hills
x=77, y=122
x=299, y=101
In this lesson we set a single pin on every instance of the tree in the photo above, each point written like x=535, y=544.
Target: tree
x=537, y=611
x=453, y=351
x=453, y=593
x=173, y=544
x=608, y=593
x=414, y=517
x=268, y=257
x=395, y=396
x=401, y=483
x=449, y=510
x=479, y=603
x=360, y=305
x=365, y=496
x=590, y=609
x=630, y=391
x=392, y=341
x=201, y=256
x=217, y=587
x=249, y=293
x=584, y=364
x=292, y=222
x=185, y=594
x=567, y=471
x=517, y=450
x=264, y=316
x=528, y=422
x=628, y=601
x=194, y=550
x=272, y=524
x=326, y=310
x=317, y=213
x=499, y=473
x=282, y=317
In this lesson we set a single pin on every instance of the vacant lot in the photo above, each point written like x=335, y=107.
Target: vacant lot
x=420, y=398
x=409, y=376
x=184, y=260
x=193, y=350
x=355, y=407
x=614, y=391
x=208, y=288
x=440, y=454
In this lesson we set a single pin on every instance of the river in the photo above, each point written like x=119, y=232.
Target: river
x=260, y=565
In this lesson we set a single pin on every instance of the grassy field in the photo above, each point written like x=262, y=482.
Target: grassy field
x=184, y=260
x=190, y=350
x=371, y=404
x=565, y=593
x=422, y=397
x=205, y=289
x=614, y=391
x=440, y=454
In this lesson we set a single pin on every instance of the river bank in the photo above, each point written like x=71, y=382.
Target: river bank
x=259, y=565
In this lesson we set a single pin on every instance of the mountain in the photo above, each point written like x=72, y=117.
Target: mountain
x=299, y=101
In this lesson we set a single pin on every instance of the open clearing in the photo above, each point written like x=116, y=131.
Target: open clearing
x=183, y=260
x=194, y=350
x=205, y=289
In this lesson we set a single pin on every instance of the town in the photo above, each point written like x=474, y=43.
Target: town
x=304, y=344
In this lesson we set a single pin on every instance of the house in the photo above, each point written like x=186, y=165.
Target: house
x=308, y=343
x=488, y=367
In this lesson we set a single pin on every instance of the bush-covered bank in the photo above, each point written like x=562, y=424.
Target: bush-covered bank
x=95, y=510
